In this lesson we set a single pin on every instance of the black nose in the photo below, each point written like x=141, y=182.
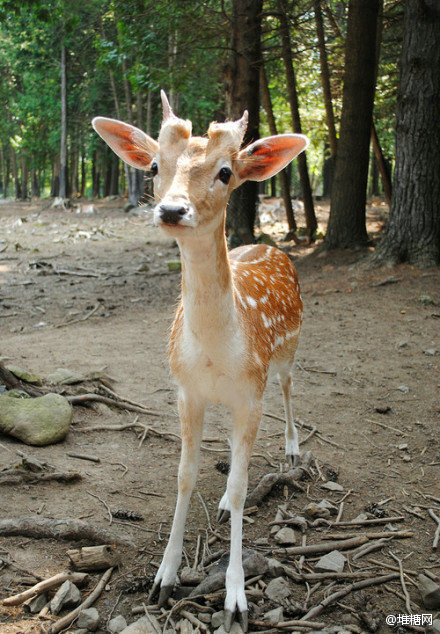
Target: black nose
x=172, y=214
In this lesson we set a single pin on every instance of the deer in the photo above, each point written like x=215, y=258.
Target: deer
x=240, y=313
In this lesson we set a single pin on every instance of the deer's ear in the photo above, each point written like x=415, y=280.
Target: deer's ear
x=131, y=144
x=266, y=157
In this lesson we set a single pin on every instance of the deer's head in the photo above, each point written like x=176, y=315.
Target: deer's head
x=194, y=176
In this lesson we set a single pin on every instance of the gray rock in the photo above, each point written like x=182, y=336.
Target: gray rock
x=430, y=352
x=278, y=589
x=36, y=604
x=275, y=568
x=331, y=562
x=430, y=592
x=63, y=376
x=332, y=486
x=128, y=207
x=274, y=616
x=285, y=536
x=117, y=624
x=434, y=628
x=67, y=596
x=361, y=517
x=35, y=421
x=142, y=626
x=322, y=509
x=89, y=619
x=190, y=577
x=235, y=629
x=25, y=375
x=217, y=618
x=253, y=564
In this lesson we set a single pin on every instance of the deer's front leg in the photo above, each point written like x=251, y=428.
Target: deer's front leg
x=191, y=411
x=246, y=422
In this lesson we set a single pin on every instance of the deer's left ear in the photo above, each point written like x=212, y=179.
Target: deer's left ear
x=131, y=144
x=266, y=157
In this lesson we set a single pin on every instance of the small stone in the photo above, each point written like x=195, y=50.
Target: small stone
x=204, y=617
x=217, y=618
x=36, y=604
x=235, y=629
x=89, y=619
x=430, y=592
x=63, y=376
x=434, y=628
x=332, y=486
x=275, y=568
x=143, y=268
x=285, y=536
x=331, y=562
x=430, y=352
x=361, y=517
x=427, y=300
x=402, y=447
x=406, y=458
x=143, y=626
x=262, y=541
x=29, y=377
x=67, y=596
x=278, y=589
x=403, y=388
x=117, y=624
x=322, y=509
x=190, y=577
x=274, y=616
x=35, y=421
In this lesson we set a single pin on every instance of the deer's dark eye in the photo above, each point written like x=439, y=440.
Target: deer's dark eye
x=153, y=168
x=225, y=175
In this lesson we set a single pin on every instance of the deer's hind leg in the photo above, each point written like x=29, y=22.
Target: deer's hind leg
x=291, y=434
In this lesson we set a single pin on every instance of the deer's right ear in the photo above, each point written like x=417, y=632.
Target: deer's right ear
x=131, y=144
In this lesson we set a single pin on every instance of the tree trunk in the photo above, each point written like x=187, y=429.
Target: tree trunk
x=83, y=174
x=63, y=142
x=413, y=232
x=284, y=177
x=243, y=93
x=346, y=227
x=55, y=187
x=15, y=173
x=132, y=179
x=24, y=178
x=96, y=175
x=383, y=166
x=4, y=172
x=325, y=79
x=118, y=115
x=296, y=121
x=35, y=185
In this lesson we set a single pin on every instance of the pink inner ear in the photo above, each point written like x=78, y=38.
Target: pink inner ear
x=267, y=157
x=129, y=143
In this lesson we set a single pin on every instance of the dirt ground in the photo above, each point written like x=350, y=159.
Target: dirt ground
x=365, y=348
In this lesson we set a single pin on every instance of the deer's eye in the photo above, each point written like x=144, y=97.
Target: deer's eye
x=153, y=168
x=225, y=175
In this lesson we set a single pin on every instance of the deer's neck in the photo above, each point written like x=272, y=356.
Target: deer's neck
x=207, y=292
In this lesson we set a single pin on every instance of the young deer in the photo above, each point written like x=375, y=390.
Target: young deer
x=240, y=313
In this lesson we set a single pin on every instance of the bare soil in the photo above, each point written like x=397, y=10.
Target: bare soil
x=365, y=349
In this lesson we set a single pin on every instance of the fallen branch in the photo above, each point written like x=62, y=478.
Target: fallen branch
x=436, y=518
x=78, y=399
x=69, y=529
x=402, y=582
x=378, y=535
x=323, y=547
x=20, y=476
x=359, y=585
x=282, y=625
x=145, y=429
x=79, y=319
x=65, y=621
x=82, y=456
x=46, y=584
x=376, y=520
x=289, y=478
x=12, y=383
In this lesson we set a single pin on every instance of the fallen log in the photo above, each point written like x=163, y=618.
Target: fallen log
x=323, y=547
x=22, y=476
x=94, y=557
x=69, y=529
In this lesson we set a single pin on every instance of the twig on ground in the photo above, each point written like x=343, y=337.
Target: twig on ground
x=82, y=456
x=110, y=516
x=46, y=584
x=436, y=518
x=20, y=476
x=205, y=508
x=402, y=582
x=376, y=535
x=65, y=621
x=359, y=585
x=78, y=399
x=323, y=547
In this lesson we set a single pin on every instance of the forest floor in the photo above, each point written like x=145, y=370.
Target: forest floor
x=366, y=375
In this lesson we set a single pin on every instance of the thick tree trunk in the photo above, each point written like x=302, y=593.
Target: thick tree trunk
x=243, y=93
x=325, y=79
x=346, y=227
x=83, y=174
x=383, y=166
x=15, y=175
x=55, y=186
x=303, y=171
x=284, y=177
x=63, y=141
x=96, y=175
x=413, y=232
x=35, y=185
x=24, y=178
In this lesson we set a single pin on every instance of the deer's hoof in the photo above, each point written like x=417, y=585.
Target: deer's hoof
x=293, y=460
x=229, y=619
x=164, y=595
x=223, y=515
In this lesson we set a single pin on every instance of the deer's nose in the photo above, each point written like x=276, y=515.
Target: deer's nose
x=172, y=214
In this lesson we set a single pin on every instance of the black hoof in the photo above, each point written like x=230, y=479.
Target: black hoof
x=222, y=516
x=293, y=460
x=243, y=620
x=165, y=593
x=228, y=620
x=153, y=592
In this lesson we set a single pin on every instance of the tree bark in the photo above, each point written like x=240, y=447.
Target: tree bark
x=296, y=120
x=35, y=184
x=325, y=79
x=284, y=178
x=346, y=227
x=243, y=93
x=24, y=178
x=413, y=232
x=63, y=141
